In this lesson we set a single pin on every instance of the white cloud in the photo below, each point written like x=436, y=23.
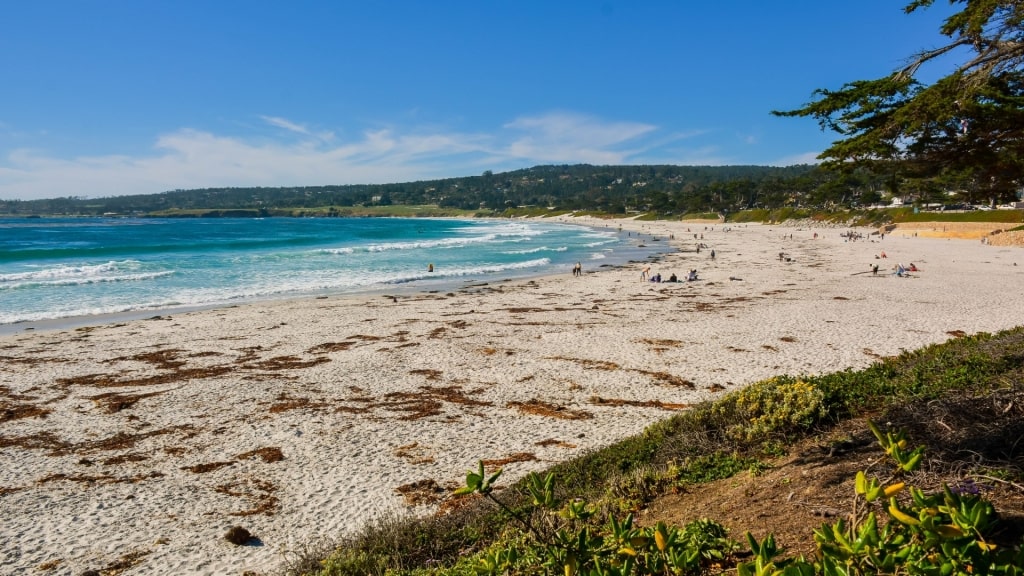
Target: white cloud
x=699, y=156
x=569, y=137
x=805, y=158
x=290, y=126
x=189, y=158
x=286, y=124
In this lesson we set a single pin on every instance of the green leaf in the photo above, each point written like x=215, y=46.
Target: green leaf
x=878, y=434
x=874, y=494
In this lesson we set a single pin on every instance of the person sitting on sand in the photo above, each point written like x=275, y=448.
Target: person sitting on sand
x=673, y=278
x=692, y=276
x=912, y=267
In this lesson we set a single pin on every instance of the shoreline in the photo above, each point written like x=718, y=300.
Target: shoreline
x=302, y=419
x=623, y=255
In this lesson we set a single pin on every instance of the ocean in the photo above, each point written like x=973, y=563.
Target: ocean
x=63, y=268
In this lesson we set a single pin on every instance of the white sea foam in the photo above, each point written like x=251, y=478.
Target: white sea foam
x=538, y=249
x=471, y=271
x=86, y=281
x=336, y=251
x=439, y=243
x=65, y=271
x=113, y=271
x=506, y=229
x=72, y=310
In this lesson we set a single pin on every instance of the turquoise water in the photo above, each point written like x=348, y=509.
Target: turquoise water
x=52, y=268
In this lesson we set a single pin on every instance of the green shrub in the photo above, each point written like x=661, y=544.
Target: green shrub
x=711, y=467
x=575, y=545
x=773, y=407
x=939, y=534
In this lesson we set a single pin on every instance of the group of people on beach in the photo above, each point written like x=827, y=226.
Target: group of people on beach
x=690, y=277
x=903, y=271
x=898, y=270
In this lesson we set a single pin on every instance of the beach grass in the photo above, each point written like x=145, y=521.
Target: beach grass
x=700, y=216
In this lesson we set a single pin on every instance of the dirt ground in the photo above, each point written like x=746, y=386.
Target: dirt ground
x=813, y=486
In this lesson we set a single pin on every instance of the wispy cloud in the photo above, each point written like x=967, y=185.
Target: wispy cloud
x=286, y=124
x=189, y=158
x=805, y=158
x=568, y=137
x=290, y=126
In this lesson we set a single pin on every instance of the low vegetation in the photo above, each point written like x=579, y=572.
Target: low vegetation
x=655, y=192
x=396, y=211
x=919, y=513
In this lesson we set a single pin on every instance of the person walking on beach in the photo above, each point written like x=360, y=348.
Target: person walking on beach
x=712, y=254
x=643, y=273
x=577, y=270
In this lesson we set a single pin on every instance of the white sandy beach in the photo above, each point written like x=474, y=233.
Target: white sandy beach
x=142, y=442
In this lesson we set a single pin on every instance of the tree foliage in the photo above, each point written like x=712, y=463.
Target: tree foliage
x=967, y=128
x=665, y=189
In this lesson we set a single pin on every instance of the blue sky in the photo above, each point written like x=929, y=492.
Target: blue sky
x=113, y=97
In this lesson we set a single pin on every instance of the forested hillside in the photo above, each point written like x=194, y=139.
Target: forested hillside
x=664, y=190
x=613, y=189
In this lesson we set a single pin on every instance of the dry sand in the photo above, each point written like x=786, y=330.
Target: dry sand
x=136, y=445
x=994, y=233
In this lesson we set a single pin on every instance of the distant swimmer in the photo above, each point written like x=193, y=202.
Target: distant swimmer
x=430, y=267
